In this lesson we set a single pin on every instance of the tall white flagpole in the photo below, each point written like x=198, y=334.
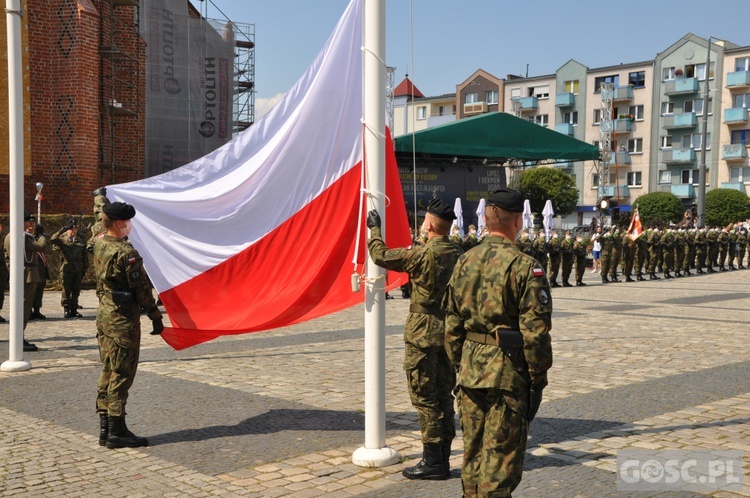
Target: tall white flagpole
x=375, y=453
x=13, y=15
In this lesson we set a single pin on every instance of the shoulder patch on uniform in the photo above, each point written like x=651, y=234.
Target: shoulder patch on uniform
x=543, y=296
x=538, y=272
x=132, y=260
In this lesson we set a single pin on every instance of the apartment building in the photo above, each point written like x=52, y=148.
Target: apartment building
x=412, y=111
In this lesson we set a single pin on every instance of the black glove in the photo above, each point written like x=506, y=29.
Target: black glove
x=158, y=326
x=373, y=219
x=39, y=230
x=535, y=399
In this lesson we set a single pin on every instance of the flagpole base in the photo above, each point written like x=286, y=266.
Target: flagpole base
x=15, y=366
x=375, y=457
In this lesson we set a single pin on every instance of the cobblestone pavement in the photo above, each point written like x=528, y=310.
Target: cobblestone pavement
x=657, y=365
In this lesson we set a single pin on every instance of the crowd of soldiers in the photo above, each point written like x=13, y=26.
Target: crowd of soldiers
x=674, y=251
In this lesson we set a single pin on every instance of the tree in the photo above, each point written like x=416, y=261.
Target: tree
x=725, y=206
x=542, y=183
x=659, y=208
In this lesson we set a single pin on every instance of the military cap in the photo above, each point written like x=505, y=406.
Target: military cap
x=506, y=198
x=73, y=223
x=119, y=211
x=28, y=216
x=441, y=209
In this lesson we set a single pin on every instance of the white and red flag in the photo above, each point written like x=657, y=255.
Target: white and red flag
x=262, y=232
x=636, y=228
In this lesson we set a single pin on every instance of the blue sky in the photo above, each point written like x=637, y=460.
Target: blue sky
x=453, y=38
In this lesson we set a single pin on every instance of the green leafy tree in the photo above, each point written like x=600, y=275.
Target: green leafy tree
x=725, y=206
x=659, y=208
x=542, y=183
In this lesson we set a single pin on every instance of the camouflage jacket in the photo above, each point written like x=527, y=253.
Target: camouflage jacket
x=579, y=247
x=723, y=238
x=742, y=239
x=73, y=251
x=496, y=286
x=566, y=246
x=553, y=246
x=429, y=268
x=119, y=267
x=711, y=238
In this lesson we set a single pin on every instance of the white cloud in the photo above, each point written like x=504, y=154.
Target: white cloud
x=263, y=105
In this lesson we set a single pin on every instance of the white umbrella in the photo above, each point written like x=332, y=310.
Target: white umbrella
x=527, y=221
x=459, y=221
x=480, y=215
x=548, y=213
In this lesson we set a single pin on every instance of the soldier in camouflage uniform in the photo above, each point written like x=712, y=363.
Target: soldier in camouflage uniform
x=540, y=249
x=73, y=265
x=616, y=254
x=712, y=237
x=689, y=261
x=654, y=241
x=741, y=248
x=723, y=242
x=429, y=375
x=526, y=243
x=627, y=260
x=700, y=250
x=667, y=247
x=498, y=318
x=566, y=251
x=122, y=288
x=640, y=248
x=679, y=252
x=579, y=249
x=607, y=249
x=553, y=249
x=732, y=247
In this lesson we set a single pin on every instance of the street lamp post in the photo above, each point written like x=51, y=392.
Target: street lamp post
x=704, y=138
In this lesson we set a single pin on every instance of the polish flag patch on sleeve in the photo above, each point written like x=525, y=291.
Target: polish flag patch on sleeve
x=538, y=272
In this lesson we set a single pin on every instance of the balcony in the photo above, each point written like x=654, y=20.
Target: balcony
x=734, y=152
x=678, y=156
x=475, y=108
x=564, y=128
x=623, y=94
x=565, y=100
x=734, y=186
x=681, y=86
x=565, y=165
x=684, y=191
x=623, y=126
x=680, y=120
x=527, y=104
x=622, y=158
x=735, y=116
x=738, y=80
x=616, y=191
x=437, y=120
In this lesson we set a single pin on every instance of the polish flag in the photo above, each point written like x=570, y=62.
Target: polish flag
x=636, y=228
x=267, y=230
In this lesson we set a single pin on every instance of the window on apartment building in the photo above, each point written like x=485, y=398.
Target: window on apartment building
x=693, y=141
x=742, y=64
x=471, y=98
x=637, y=79
x=570, y=117
x=597, y=116
x=491, y=97
x=741, y=100
x=595, y=179
x=739, y=175
x=597, y=144
x=635, y=145
x=634, y=178
x=515, y=93
x=667, y=108
x=667, y=73
x=665, y=176
x=421, y=112
x=688, y=176
x=446, y=110
x=700, y=71
x=694, y=106
x=540, y=92
x=666, y=141
x=636, y=111
x=614, y=79
x=740, y=137
x=570, y=86
x=541, y=120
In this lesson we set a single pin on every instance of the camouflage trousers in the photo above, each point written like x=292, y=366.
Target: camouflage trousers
x=71, y=288
x=554, y=268
x=119, y=357
x=431, y=379
x=495, y=431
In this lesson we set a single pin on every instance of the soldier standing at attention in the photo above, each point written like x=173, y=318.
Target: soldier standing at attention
x=122, y=288
x=429, y=374
x=700, y=250
x=607, y=250
x=540, y=249
x=498, y=318
x=741, y=247
x=566, y=249
x=553, y=248
x=579, y=248
x=73, y=266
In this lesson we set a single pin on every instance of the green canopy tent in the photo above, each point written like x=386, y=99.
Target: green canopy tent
x=496, y=136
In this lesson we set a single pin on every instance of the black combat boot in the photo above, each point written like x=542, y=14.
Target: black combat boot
x=103, y=428
x=38, y=314
x=614, y=279
x=731, y=267
x=579, y=283
x=652, y=276
x=687, y=273
x=120, y=437
x=700, y=271
x=566, y=284
x=429, y=467
x=554, y=284
x=628, y=279
x=678, y=274
x=68, y=313
x=667, y=275
x=639, y=277
x=604, y=279
x=445, y=449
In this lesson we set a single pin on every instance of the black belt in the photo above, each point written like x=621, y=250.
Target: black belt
x=436, y=312
x=502, y=337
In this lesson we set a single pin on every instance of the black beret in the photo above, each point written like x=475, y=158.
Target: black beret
x=28, y=216
x=506, y=198
x=73, y=223
x=119, y=211
x=441, y=209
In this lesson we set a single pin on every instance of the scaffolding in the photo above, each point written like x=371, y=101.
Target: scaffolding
x=120, y=89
